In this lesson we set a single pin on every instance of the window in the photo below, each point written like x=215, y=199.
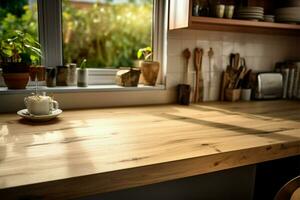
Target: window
x=106, y=32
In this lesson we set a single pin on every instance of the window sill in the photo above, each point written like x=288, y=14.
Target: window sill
x=74, y=89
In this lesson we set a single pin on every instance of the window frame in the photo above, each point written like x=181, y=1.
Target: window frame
x=50, y=35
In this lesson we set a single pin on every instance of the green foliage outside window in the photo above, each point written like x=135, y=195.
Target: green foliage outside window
x=107, y=35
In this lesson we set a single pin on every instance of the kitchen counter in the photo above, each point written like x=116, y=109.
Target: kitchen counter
x=85, y=152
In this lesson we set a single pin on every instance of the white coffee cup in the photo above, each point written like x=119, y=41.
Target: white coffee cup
x=40, y=105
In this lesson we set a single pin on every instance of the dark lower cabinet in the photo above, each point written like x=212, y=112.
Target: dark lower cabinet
x=234, y=184
x=271, y=176
x=255, y=182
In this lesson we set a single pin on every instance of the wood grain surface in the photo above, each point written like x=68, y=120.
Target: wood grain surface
x=85, y=152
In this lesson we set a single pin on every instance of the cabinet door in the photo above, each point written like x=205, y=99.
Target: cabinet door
x=179, y=14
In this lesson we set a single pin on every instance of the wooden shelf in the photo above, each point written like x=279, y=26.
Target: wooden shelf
x=181, y=18
x=216, y=24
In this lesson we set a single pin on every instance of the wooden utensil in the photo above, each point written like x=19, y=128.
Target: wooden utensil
x=201, y=85
x=210, y=75
x=237, y=61
x=231, y=61
x=198, y=53
x=241, y=74
x=224, y=85
x=186, y=55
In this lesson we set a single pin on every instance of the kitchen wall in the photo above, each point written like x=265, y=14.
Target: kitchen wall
x=261, y=53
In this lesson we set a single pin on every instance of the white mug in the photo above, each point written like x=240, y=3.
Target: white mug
x=40, y=105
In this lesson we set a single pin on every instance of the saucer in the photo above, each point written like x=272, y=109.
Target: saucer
x=39, y=118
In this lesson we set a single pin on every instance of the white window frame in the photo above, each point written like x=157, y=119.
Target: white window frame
x=94, y=95
x=50, y=34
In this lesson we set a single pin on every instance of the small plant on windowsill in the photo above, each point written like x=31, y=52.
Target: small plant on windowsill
x=18, y=51
x=149, y=68
x=82, y=79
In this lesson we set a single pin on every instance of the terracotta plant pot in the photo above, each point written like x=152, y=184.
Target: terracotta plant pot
x=150, y=70
x=37, y=72
x=15, y=75
x=16, y=80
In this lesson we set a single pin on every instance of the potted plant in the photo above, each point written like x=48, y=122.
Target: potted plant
x=82, y=73
x=18, y=51
x=149, y=68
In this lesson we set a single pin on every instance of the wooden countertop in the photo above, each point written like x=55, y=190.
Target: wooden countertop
x=87, y=152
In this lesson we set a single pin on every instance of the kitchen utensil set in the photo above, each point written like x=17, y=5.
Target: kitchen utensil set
x=234, y=77
x=184, y=90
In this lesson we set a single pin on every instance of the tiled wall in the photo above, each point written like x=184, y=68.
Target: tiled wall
x=261, y=53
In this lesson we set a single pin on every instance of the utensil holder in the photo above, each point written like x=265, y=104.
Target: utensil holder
x=233, y=95
x=184, y=94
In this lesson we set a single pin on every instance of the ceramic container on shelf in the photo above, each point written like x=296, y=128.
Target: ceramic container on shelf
x=220, y=9
x=196, y=9
x=229, y=11
x=82, y=77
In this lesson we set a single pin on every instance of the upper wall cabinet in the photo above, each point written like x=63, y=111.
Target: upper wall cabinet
x=201, y=15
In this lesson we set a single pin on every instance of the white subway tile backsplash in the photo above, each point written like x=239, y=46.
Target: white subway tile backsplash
x=173, y=79
x=174, y=47
x=204, y=44
x=176, y=64
x=190, y=44
x=228, y=48
x=241, y=48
